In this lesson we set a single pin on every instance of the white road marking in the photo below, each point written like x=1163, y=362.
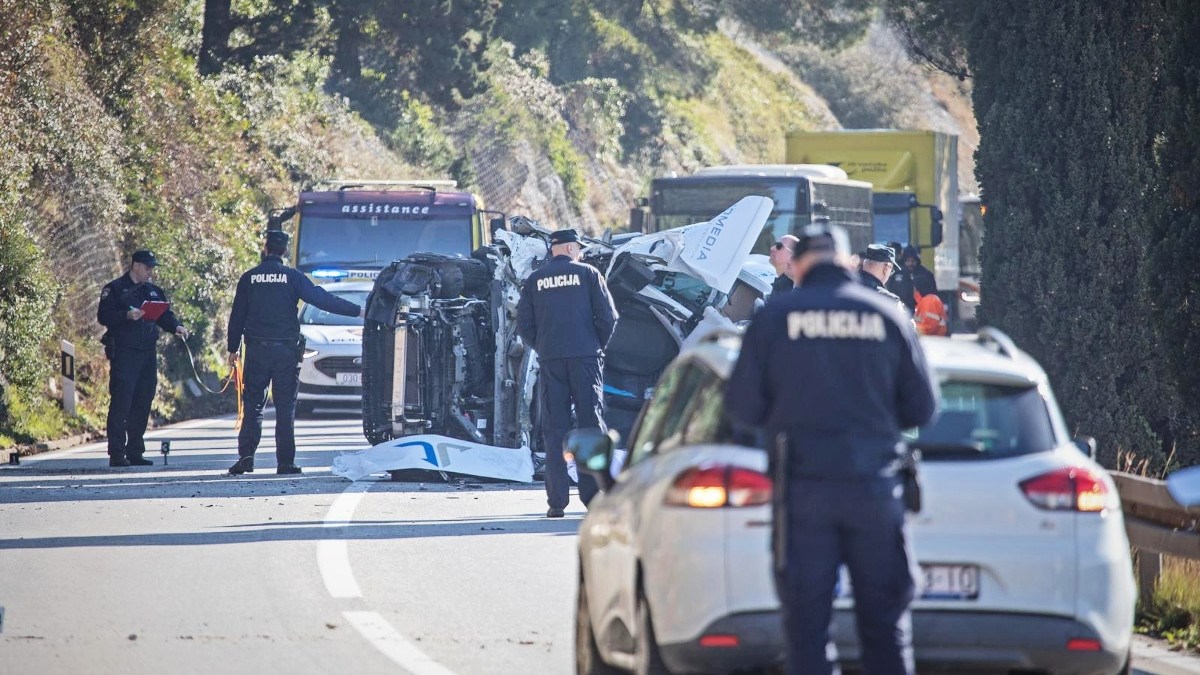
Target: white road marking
x=333, y=556
x=333, y=560
x=380, y=633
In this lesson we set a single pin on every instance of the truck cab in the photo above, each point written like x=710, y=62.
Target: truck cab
x=349, y=229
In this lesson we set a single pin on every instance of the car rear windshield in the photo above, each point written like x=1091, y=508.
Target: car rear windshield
x=986, y=421
x=313, y=315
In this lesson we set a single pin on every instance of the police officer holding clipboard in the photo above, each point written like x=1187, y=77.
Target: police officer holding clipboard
x=130, y=345
x=265, y=314
x=832, y=372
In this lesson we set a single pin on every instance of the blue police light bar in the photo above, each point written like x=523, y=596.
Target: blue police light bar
x=330, y=274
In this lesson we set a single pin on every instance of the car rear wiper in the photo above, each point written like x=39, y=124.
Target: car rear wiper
x=931, y=448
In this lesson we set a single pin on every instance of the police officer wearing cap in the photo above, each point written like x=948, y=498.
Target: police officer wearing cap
x=265, y=314
x=831, y=372
x=878, y=265
x=567, y=315
x=130, y=345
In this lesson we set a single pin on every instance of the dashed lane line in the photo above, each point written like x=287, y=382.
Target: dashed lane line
x=333, y=561
x=386, y=639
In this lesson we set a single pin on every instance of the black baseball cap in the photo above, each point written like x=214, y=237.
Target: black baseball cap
x=278, y=238
x=145, y=257
x=821, y=237
x=880, y=253
x=567, y=236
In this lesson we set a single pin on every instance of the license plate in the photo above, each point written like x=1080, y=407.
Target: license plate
x=349, y=379
x=940, y=582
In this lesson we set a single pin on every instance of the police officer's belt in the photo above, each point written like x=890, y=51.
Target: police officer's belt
x=290, y=342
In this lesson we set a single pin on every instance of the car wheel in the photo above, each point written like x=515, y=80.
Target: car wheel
x=646, y=658
x=587, y=655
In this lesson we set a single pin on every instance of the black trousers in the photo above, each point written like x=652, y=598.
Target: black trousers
x=131, y=386
x=858, y=523
x=275, y=364
x=564, y=382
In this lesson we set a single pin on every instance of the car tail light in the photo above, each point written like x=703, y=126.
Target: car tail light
x=1067, y=489
x=719, y=641
x=1083, y=645
x=717, y=486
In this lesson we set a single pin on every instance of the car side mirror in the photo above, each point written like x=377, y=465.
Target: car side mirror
x=1184, y=487
x=593, y=451
x=1086, y=445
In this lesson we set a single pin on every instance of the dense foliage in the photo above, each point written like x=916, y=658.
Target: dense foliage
x=1088, y=165
x=175, y=124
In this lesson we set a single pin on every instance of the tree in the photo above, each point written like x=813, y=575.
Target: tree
x=214, y=36
x=1064, y=93
x=833, y=24
x=935, y=31
x=1172, y=273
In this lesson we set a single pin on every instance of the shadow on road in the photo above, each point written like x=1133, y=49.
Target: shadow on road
x=284, y=531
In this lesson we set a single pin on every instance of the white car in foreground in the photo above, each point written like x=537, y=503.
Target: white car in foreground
x=1021, y=539
x=332, y=368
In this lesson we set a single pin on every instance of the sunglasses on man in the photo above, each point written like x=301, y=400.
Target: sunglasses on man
x=778, y=246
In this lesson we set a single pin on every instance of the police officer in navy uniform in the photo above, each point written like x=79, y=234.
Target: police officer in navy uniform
x=566, y=314
x=265, y=314
x=878, y=266
x=130, y=344
x=831, y=372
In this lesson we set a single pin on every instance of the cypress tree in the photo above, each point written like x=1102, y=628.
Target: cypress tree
x=1174, y=272
x=1063, y=94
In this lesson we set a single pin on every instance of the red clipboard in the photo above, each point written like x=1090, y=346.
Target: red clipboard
x=153, y=309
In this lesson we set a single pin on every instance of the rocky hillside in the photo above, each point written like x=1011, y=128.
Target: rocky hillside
x=111, y=139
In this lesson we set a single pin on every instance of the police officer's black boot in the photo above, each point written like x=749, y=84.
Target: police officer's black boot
x=118, y=461
x=288, y=468
x=140, y=461
x=555, y=513
x=243, y=465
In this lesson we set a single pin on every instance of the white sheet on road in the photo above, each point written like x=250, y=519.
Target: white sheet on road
x=437, y=453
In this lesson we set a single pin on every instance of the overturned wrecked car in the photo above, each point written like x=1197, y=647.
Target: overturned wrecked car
x=440, y=350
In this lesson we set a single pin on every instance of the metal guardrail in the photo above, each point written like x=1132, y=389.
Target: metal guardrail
x=1156, y=525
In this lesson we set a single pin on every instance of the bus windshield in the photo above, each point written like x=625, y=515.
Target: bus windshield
x=375, y=242
x=685, y=201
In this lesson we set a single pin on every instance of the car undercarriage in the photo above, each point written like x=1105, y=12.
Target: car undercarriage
x=441, y=353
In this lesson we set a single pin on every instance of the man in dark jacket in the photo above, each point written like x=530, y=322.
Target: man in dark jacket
x=781, y=259
x=832, y=372
x=130, y=345
x=567, y=315
x=264, y=313
x=913, y=276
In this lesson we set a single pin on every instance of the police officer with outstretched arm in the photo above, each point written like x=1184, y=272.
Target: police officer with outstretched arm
x=832, y=372
x=130, y=345
x=566, y=314
x=265, y=314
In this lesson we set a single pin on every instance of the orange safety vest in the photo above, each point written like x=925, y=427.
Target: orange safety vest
x=930, y=315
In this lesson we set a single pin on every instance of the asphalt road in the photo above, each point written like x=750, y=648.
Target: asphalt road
x=184, y=569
